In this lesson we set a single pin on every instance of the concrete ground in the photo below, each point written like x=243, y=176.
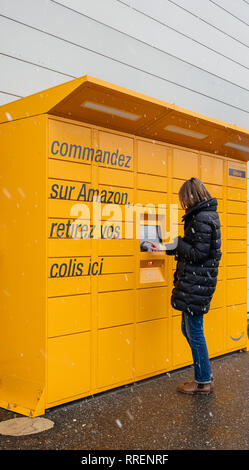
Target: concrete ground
x=151, y=415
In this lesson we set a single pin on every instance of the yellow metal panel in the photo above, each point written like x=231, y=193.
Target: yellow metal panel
x=68, y=366
x=236, y=246
x=220, y=273
x=237, y=233
x=70, y=229
x=114, y=230
x=95, y=101
x=176, y=184
x=218, y=297
x=40, y=102
x=236, y=291
x=175, y=200
x=116, y=212
x=151, y=197
x=214, y=326
x=236, y=174
x=115, y=355
x=66, y=170
x=116, y=194
x=220, y=204
x=115, y=308
x=68, y=286
x=236, y=220
x=107, y=105
x=211, y=169
x=119, y=150
x=108, y=282
x=117, y=264
x=236, y=194
x=236, y=207
x=215, y=190
x=68, y=267
x=76, y=210
x=69, y=314
x=70, y=191
x=152, y=182
x=23, y=262
x=237, y=326
x=68, y=247
x=234, y=259
x=22, y=395
x=151, y=347
x=234, y=272
x=185, y=164
x=69, y=142
x=152, y=158
x=116, y=247
x=152, y=303
x=113, y=177
x=152, y=272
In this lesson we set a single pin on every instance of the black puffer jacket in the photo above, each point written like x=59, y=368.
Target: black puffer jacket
x=198, y=255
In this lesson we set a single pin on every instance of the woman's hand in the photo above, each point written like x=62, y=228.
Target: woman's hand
x=155, y=246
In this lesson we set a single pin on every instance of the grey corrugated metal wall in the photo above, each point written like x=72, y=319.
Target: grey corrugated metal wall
x=193, y=53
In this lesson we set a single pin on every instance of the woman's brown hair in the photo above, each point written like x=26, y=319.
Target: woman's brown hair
x=192, y=192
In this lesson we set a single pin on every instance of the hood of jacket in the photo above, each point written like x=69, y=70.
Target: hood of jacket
x=207, y=205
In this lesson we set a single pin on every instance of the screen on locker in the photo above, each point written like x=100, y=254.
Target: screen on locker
x=150, y=233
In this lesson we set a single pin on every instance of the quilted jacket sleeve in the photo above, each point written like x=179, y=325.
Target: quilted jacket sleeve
x=197, y=247
x=171, y=248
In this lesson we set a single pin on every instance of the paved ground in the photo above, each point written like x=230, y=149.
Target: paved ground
x=151, y=415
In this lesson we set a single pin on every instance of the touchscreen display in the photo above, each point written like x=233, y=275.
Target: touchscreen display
x=150, y=232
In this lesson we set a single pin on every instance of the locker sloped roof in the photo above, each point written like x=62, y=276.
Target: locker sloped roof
x=91, y=100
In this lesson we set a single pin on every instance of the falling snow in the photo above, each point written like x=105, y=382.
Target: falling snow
x=9, y=117
x=21, y=192
x=6, y=193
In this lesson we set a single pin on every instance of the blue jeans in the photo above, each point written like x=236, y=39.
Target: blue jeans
x=192, y=329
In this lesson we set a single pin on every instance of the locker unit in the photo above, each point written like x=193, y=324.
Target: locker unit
x=83, y=309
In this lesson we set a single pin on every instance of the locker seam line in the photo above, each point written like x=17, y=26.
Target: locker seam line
x=144, y=42
x=123, y=62
x=209, y=24
x=229, y=13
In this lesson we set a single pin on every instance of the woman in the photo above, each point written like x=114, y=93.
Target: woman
x=198, y=255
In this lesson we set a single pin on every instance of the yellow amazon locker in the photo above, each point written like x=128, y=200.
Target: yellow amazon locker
x=90, y=170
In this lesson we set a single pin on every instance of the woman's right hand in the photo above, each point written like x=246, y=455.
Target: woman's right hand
x=155, y=246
